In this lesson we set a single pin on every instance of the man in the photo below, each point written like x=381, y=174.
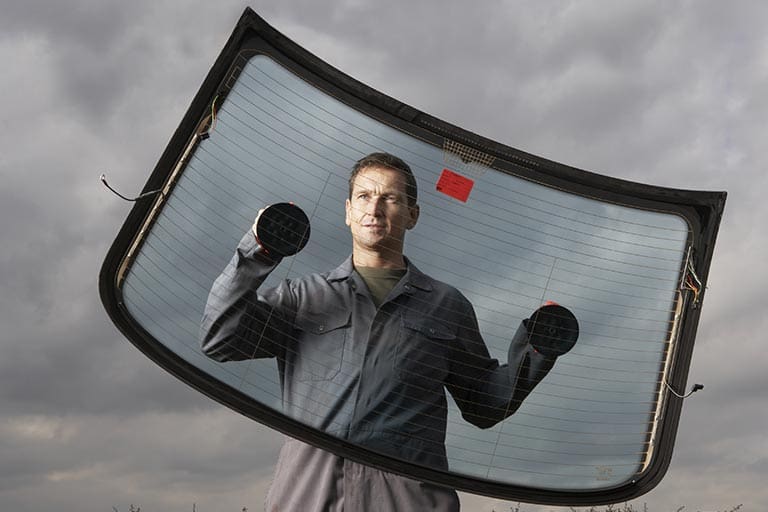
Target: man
x=365, y=352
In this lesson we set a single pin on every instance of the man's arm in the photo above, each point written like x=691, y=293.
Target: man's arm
x=238, y=322
x=485, y=391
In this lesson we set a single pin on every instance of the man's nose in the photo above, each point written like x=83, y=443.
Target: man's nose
x=374, y=206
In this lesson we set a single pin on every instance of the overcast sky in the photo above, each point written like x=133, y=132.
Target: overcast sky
x=667, y=93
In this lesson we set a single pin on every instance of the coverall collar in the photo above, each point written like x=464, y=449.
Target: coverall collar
x=413, y=275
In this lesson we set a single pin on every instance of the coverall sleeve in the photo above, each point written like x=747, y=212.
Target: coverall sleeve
x=485, y=391
x=239, y=322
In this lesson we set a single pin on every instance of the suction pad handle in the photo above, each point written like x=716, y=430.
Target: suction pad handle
x=552, y=330
x=282, y=229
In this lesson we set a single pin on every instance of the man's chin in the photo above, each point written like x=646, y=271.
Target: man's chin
x=372, y=238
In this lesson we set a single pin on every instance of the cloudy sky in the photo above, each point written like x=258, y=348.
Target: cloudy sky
x=667, y=93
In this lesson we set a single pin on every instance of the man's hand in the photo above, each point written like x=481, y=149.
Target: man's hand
x=256, y=223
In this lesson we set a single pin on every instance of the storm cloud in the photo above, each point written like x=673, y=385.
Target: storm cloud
x=671, y=94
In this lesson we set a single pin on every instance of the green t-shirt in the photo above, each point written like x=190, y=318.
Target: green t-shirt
x=380, y=281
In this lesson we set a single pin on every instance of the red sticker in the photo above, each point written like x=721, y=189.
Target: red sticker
x=455, y=185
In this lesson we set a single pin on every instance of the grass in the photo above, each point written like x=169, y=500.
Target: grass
x=626, y=507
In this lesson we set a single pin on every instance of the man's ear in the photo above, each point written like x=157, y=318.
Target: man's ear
x=414, y=216
x=348, y=213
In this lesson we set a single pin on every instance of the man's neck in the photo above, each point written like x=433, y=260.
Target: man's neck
x=363, y=258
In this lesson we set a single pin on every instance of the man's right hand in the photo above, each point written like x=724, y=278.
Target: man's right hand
x=256, y=223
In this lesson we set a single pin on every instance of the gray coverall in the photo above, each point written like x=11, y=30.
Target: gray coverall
x=373, y=376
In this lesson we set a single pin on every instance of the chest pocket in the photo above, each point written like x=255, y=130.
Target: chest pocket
x=422, y=353
x=318, y=348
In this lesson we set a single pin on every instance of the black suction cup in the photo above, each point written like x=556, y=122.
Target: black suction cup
x=552, y=330
x=282, y=229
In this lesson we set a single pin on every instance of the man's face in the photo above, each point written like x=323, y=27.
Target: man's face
x=378, y=213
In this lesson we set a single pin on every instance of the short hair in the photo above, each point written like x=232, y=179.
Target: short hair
x=387, y=161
